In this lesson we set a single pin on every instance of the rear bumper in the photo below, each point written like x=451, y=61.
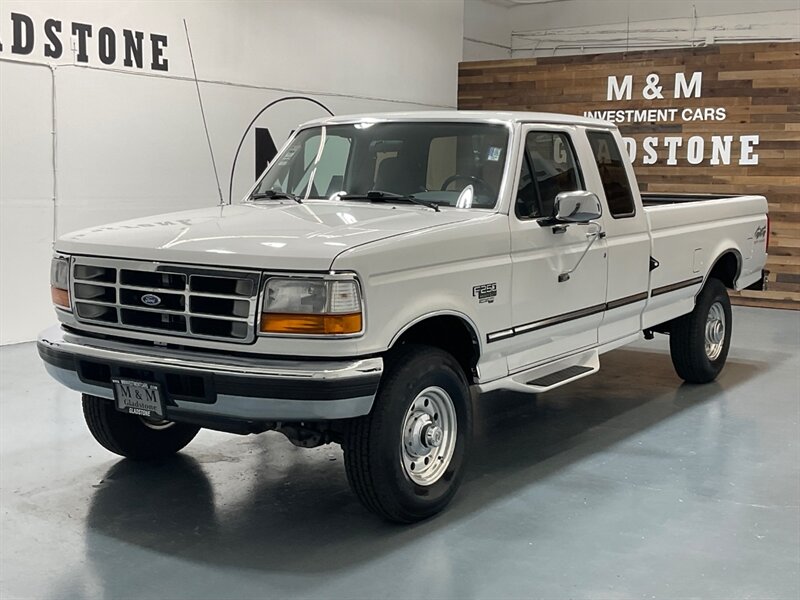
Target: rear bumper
x=204, y=386
x=761, y=283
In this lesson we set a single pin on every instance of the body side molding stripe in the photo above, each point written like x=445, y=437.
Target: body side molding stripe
x=665, y=289
x=499, y=335
x=626, y=300
x=558, y=319
x=563, y=318
x=586, y=312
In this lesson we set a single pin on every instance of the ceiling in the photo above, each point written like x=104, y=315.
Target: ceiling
x=513, y=3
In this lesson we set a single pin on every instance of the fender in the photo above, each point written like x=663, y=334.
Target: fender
x=473, y=329
x=720, y=255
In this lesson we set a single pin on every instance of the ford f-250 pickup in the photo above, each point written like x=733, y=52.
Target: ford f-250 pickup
x=381, y=269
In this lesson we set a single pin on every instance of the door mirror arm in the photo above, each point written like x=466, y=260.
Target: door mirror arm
x=575, y=208
x=562, y=227
x=593, y=236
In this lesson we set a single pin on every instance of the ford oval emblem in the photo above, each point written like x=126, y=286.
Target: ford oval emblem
x=151, y=300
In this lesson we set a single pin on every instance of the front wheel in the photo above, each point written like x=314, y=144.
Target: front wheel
x=132, y=436
x=699, y=342
x=405, y=459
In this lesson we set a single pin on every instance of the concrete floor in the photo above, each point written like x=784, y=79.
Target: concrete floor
x=623, y=485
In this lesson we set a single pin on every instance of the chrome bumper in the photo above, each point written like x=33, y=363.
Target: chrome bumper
x=233, y=387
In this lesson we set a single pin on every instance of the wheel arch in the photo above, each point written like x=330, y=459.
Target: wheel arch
x=726, y=267
x=451, y=331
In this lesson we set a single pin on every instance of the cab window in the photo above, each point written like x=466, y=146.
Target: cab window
x=548, y=168
x=616, y=185
x=460, y=165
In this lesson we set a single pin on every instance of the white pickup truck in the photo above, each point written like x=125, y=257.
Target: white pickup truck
x=380, y=270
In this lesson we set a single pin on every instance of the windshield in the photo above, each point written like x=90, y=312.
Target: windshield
x=446, y=164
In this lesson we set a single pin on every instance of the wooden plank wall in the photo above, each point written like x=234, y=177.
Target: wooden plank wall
x=758, y=85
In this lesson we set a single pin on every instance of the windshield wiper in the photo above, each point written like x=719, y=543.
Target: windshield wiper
x=379, y=196
x=275, y=195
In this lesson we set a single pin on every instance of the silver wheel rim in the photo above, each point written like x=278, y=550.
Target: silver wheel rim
x=157, y=424
x=428, y=439
x=715, y=331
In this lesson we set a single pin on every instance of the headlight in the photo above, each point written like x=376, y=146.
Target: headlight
x=311, y=306
x=59, y=282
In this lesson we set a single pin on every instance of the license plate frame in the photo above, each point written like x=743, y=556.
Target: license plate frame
x=136, y=397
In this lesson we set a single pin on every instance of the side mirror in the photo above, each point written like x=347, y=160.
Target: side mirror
x=576, y=207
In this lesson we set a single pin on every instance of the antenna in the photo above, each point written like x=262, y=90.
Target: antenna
x=203, y=113
x=627, y=30
x=258, y=114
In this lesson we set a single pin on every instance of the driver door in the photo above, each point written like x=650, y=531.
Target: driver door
x=551, y=318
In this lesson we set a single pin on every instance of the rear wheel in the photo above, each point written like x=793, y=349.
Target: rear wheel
x=405, y=459
x=132, y=436
x=699, y=342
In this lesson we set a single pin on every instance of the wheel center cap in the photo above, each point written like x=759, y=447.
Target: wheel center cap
x=416, y=435
x=432, y=436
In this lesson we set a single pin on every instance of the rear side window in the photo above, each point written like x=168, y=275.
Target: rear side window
x=616, y=185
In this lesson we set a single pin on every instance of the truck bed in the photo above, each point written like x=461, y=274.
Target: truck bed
x=658, y=199
x=688, y=233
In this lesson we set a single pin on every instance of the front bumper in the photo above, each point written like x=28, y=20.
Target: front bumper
x=206, y=386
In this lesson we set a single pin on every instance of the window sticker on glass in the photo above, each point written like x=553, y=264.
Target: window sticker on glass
x=494, y=153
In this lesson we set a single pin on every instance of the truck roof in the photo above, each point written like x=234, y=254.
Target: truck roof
x=467, y=116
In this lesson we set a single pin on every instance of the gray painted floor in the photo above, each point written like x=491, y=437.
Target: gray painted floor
x=623, y=485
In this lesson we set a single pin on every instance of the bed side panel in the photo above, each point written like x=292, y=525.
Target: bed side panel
x=689, y=237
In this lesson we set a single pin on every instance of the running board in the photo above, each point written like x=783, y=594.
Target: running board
x=560, y=377
x=549, y=376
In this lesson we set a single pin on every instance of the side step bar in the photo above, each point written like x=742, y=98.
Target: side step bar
x=560, y=377
x=549, y=376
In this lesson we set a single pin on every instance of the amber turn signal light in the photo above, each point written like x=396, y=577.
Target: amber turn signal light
x=311, y=324
x=60, y=297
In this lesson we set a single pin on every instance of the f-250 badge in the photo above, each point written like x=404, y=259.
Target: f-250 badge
x=486, y=292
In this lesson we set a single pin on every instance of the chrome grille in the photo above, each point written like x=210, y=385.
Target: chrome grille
x=169, y=299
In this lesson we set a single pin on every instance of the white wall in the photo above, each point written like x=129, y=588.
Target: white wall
x=487, y=31
x=560, y=27
x=129, y=142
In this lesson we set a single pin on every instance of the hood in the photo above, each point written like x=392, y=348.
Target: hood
x=268, y=235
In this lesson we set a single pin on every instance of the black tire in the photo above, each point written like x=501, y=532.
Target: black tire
x=372, y=444
x=687, y=340
x=129, y=436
